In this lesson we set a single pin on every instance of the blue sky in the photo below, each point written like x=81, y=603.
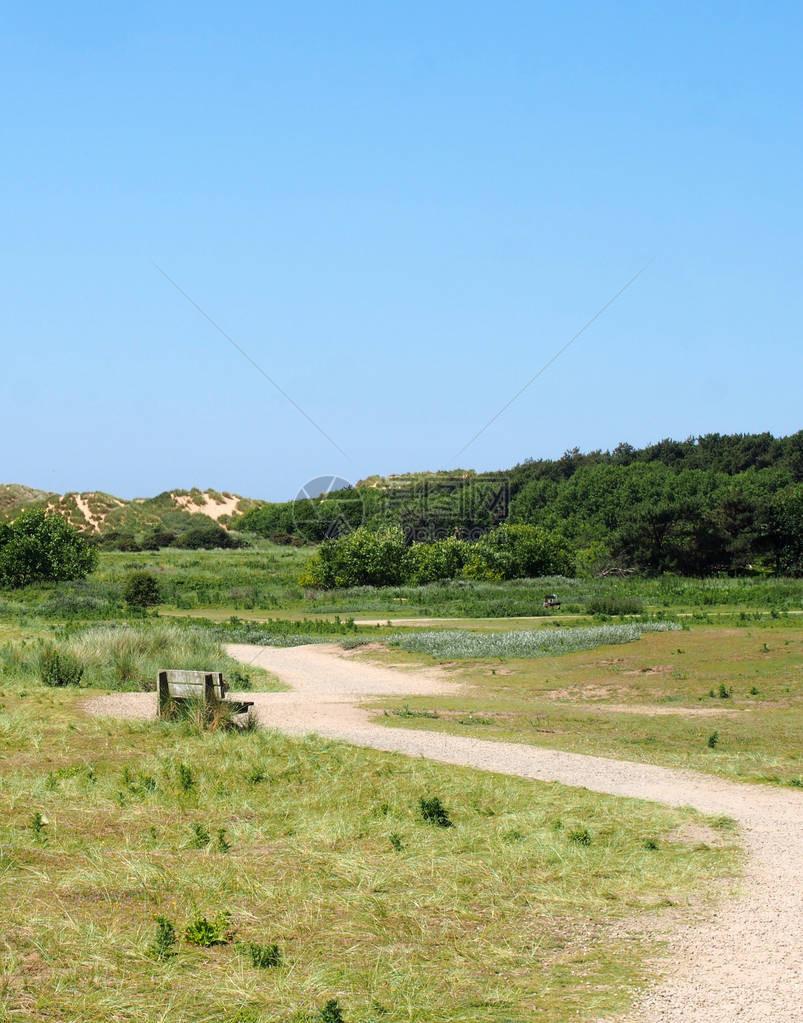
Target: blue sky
x=401, y=212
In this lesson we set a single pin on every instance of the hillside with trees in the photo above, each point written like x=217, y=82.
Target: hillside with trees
x=710, y=504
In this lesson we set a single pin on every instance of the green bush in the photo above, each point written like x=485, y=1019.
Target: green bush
x=58, y=668
x=434, y=812
x=37, y=547
x=613, y=605
x=141, y=589
x=518, y=551
x=367, y=558
x=361, y=558
x=211, y=537
x=431, y=562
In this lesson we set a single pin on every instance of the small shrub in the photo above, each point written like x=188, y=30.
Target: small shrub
x=650, y=844
x=433, y=811
x=164, y=940
x=396, y=841
x=205, y=933
x=754, y=690
x=331, y=1012
x=141, y=589
x=262, y=956
x=713, y=739
x=59, y=669
x=724, y=692
x=579, y=836
x=221, y=842
x=186, y=779
x=38, y=825
x=200, y=837
x=255, y=776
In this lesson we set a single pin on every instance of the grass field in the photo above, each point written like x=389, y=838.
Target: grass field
x=522, y=909
x=658, y=700
x=513, y=913
x=263, y=581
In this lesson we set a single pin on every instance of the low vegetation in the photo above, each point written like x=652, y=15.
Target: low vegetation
x=119, y=657
x=449, y=644
x=726, y=701
x=332, y=896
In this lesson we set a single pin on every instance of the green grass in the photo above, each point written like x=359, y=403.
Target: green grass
x=503, y=916
x=127, y=657
x=263, y=581
x=657, y=700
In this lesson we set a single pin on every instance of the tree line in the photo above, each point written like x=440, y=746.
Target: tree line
x=711, y=504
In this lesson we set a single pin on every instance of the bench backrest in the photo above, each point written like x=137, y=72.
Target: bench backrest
x=180, y=684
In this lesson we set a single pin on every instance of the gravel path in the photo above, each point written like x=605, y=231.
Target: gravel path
x=743, y=964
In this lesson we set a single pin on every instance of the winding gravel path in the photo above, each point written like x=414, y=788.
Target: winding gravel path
x=742, y=964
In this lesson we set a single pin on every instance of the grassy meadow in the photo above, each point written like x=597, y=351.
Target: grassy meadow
x=155, y=871
x=660, y=699
x=149, y=871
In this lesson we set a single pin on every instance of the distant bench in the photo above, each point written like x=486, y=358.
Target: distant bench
x=180, y=687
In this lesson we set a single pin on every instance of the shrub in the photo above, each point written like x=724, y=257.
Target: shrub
x=165, y=939
x=518, y=551
x=186, y=779
x=580, y=836
x=200, y=837
x=37, y=547
x=211, y=537
x=431, y=562
x=433, y=811
x=713, y=739
x=157, y=539
x=141, y=589
x=331, y=1012
x=205, y=933
x=262, y=956
x=361, y=558
x=59, y=668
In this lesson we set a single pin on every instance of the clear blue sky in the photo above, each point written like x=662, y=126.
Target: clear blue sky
x=400, y=211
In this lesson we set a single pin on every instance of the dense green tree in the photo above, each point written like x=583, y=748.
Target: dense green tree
x=37, y=547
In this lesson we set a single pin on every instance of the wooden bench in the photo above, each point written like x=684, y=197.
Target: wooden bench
x=177, y=687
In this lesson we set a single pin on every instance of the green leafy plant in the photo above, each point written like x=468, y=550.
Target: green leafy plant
x=141, y=590
x=713, y=739
x=396, y=841
x=163, y=945
x=200, y=837
x=186, y=779
x=331, y=1012
x=57, y=668
x=579, y=836
x=205, y=933
x=724, y=692
x=433, y=811
x=650, y=843
x=263, y=957
x=222, y=844
x=38, y=825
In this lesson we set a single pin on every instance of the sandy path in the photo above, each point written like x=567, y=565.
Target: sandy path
x=742, y=964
